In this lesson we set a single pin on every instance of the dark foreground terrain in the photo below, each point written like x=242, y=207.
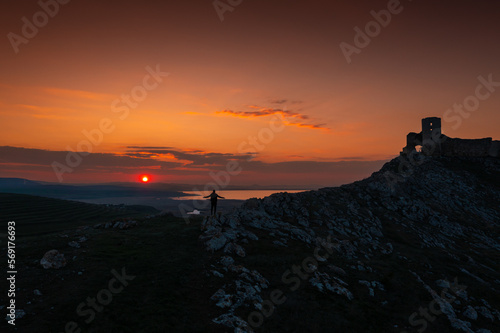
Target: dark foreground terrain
x=413, y=249
x=159, y=254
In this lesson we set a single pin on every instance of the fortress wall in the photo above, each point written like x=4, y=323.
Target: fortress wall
x=495, y=149
x=467, y=147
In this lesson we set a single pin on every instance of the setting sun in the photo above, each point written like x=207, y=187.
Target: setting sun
x=145, y=179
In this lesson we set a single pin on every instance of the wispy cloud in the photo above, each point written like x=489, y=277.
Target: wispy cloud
x=46, y=112
x=192, y=157
x=264, y=112
x=311, y=126
x=278, y=101
x=283, y=101
x=291, y=118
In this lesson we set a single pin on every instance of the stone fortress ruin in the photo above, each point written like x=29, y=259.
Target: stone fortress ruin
x=432, y=142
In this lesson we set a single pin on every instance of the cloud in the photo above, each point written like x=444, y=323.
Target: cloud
x=193, y=157
x=196, y=165
x=31, y=156
x=45, y=112
x=291, y=118
x=148, y=147
x=283, y=101
x=278, y=101
x=311, y=126
x=264, y=112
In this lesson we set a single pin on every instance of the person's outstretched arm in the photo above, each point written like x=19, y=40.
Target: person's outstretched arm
x=207, y=196
x=220, y=197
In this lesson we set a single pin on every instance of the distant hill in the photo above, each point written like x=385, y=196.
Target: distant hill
x=19, y=183
x=61, y=191
x=15, y=183
x=39, y=215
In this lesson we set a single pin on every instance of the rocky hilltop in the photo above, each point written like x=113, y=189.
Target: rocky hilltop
x=415, y=247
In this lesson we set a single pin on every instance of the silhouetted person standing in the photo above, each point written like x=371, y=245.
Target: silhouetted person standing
x=213, y=200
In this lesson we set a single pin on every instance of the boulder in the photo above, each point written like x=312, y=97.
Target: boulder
x=53, y=259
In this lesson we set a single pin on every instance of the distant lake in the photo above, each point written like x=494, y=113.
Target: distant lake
x=169, y=203
x=235, y=194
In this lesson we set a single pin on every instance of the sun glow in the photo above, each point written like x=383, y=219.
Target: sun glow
x=145, y=179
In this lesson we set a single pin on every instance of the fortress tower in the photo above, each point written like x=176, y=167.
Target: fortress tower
x=431, y=136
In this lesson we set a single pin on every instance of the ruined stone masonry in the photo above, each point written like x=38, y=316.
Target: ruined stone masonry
x=434, y=143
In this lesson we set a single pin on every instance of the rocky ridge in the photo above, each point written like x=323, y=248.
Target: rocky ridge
x=414, y=247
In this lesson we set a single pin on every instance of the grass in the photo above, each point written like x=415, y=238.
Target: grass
x=163, y=253
x=39, y=215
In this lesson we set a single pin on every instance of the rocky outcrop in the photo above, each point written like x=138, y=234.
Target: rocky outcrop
x=435, y=219
x=122, y=225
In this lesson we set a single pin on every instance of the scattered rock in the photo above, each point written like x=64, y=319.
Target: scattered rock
x=231, y=248
x=218, y=274
x=122, y=225
x=323, y=282
x=53, y=259
x=19, y=314
x=470, y=313
x=443, y=284
x=216, y=243
x=222, y=299
x=387, y=249
x=74, y=244
x=485, y=312
x=279, y=243
x=337, y=270
x=232, y=321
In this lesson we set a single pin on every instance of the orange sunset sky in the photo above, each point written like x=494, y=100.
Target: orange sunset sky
x=228, y=79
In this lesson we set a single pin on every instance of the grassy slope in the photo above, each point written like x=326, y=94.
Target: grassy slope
x=39, y=215
x=167, y=295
